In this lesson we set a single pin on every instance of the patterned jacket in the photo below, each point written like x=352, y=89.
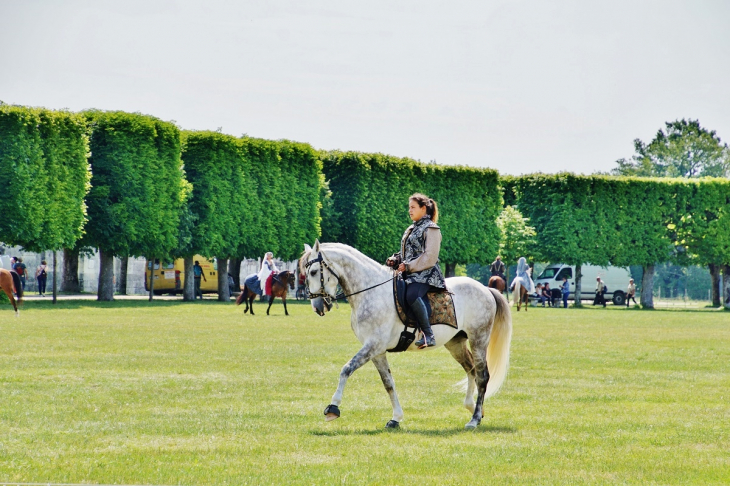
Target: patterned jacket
x=413, y=246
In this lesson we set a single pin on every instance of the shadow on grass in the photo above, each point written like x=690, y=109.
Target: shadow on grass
x=482, y=429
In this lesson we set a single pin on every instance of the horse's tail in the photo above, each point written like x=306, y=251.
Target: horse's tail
x=18, y=285
x=516, y=291
x=242, y=296
x=499, y=344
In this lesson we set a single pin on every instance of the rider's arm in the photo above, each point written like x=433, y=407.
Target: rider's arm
x=430, y=255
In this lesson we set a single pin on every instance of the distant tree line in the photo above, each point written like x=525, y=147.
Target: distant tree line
x=133, y=185
x=622, y=221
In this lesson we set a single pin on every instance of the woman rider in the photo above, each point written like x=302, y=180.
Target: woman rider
x=418, y=261
x=267, y=271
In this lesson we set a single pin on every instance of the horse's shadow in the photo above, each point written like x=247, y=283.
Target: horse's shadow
x=489, y=429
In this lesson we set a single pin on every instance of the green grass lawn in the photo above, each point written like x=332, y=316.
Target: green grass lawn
x=172, y=393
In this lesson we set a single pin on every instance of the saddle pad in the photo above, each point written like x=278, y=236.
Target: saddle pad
x=442, y=306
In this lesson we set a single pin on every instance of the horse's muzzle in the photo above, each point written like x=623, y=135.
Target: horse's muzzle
x=320, y=306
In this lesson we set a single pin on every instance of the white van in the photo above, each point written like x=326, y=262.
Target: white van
x=616, y=280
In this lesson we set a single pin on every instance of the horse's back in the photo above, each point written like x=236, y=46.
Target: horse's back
x=474, y=303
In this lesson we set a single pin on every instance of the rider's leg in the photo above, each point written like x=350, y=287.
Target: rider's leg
x=415, y=295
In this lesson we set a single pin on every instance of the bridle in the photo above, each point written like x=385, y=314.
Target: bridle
x=329, y=298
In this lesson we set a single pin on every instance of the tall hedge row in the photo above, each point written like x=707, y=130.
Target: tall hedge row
x=44, y=175
x=287, y=181
x=370, y=204
x=627, y=221
x=137, y=191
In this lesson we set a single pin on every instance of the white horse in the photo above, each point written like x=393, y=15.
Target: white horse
x=483, y=317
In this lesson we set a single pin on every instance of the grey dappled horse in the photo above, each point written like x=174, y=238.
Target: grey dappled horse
x=481, y=344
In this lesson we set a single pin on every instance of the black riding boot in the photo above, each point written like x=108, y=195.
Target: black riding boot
x=419, y=309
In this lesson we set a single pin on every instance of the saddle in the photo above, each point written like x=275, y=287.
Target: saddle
x=441, y=307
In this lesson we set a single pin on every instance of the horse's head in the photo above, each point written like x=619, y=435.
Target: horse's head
x=321, y=281
x=289, y=277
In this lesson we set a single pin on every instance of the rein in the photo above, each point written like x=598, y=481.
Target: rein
x=328, y=298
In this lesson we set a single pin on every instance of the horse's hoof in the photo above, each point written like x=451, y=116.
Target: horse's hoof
x=471, y=425
x=331, y=412
x=392, y=424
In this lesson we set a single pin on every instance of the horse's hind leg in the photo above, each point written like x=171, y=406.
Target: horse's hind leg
x=460, y=351
x=250, y=303
x=479, y=352
x=9, y=293
x=286, y=312
x=381, y=363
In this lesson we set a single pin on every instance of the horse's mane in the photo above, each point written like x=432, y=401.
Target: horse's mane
x=342, y=249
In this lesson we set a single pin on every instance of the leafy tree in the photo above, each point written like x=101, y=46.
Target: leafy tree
x=684, y=150
x=138, y=188
x=221, y=204
x=45, y=175
x=518, y=237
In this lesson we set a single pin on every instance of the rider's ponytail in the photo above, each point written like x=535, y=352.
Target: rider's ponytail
x=431, y=207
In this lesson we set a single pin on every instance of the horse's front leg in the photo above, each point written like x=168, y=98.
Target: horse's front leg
x=286, y=312
x=381, y=363
x=361, y=357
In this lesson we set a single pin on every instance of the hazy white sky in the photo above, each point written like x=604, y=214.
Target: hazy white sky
x=519, y=86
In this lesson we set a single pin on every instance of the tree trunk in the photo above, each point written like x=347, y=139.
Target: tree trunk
x=450, y=270
x=123, y=276
x=578, y=288
x=224, y=294
x=152, y=278
x=55, y=279
x=189, y=281
x=647, y=287
x=70, y=277
x=234, y=268
x=726, y=285
x=715, y=274
x=106, y=277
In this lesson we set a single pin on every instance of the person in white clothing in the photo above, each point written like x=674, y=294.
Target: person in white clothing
x=524, y=276
x=267, y=271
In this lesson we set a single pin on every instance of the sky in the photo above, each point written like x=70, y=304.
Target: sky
x=518, y=86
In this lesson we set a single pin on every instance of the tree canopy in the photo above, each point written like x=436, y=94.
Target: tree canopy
x=684, y=150
x=45, y=175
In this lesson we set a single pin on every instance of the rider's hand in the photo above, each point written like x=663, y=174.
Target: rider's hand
x=402, y=267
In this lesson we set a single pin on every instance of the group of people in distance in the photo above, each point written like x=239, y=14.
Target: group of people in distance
x=41, y=273
x=544, y=293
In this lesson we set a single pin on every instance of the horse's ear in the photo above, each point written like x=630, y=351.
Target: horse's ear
x=307, y=248
x=316, y=245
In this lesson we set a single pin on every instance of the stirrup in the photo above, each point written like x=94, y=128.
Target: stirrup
x=425, y=342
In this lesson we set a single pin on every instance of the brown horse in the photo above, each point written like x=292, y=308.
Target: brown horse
x=497, y=283
x=524, y=297
x=8, y=280
x=279, y=286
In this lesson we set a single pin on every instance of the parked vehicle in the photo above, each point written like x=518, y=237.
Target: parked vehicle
x=616, y=280
x=170, y=276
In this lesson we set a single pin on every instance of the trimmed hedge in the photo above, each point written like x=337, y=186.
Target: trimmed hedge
x=45, y=175
x=370, y=205
x=138, y=186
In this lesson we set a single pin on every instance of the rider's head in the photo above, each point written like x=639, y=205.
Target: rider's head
x=431, y=206
x=499, y=258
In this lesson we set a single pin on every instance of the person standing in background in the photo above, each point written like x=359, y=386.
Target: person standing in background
x=22, y=271
x=630, y=295
x=41, y=275
x=198, y=274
